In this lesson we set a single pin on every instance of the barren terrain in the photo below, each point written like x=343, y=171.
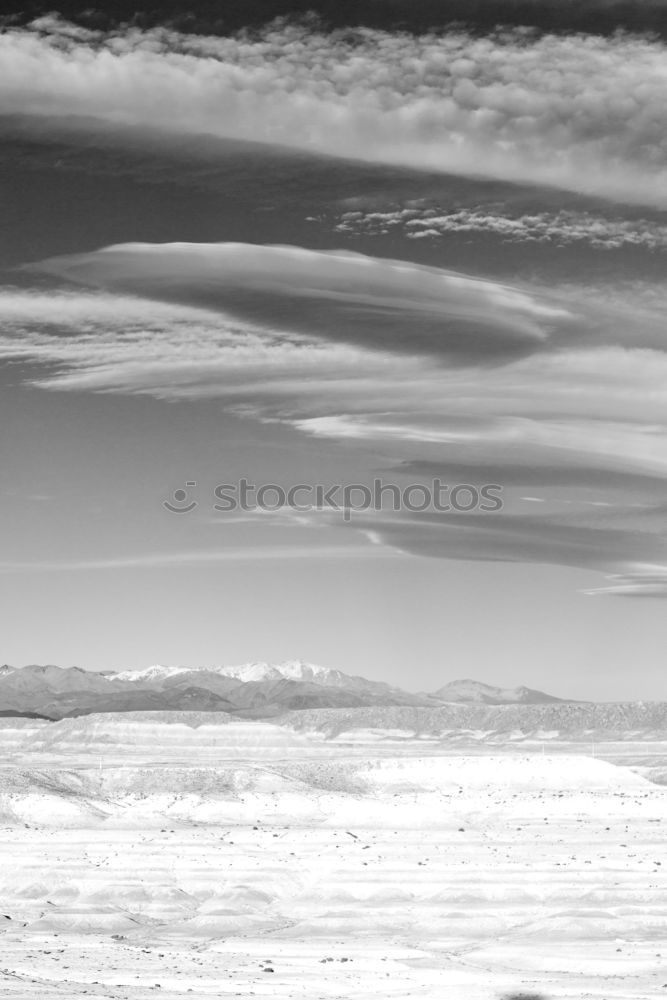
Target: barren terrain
x=184, y=854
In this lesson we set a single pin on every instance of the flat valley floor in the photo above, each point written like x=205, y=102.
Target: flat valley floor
x=176, y=856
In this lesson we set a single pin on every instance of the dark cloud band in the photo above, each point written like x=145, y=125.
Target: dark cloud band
x=602, y=17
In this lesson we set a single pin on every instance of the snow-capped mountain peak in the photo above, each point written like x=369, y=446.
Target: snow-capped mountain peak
x=293, y=670
x=258, y=672
x=154, y=673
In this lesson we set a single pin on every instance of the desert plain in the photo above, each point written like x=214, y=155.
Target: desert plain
x=183, y=854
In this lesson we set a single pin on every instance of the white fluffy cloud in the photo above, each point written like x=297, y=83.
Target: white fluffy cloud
x=583, y=113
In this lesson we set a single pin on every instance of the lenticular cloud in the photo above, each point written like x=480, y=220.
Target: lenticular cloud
x=579, y=112
x=335, y=295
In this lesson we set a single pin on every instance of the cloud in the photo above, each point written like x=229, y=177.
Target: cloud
x=183, y=560
x=546, y=467
x=337, y=295
x=352, y=340
x=645, y=582
x=598, y=415
x=120, y=343
x=595, y=16
x=563, y=228
x=347, y=346
x=580, y=112
x=344, y=346
x=639, y=558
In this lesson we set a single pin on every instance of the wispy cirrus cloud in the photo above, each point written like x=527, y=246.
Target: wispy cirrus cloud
x=99, y=341
x=580, y=112
x=418, y=363
x=184, y=559
x=376, y=339
x=646, y=581
x=636, y=560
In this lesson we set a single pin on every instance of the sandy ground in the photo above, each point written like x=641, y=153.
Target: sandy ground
x=142, y=859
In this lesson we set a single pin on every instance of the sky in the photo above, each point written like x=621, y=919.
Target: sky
x=309, y=255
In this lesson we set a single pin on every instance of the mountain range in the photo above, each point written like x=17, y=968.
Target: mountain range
x=255, y=690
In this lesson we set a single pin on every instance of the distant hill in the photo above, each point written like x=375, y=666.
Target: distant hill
x=474, y=691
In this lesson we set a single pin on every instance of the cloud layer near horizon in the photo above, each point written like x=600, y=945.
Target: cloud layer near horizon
x=579, y=112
